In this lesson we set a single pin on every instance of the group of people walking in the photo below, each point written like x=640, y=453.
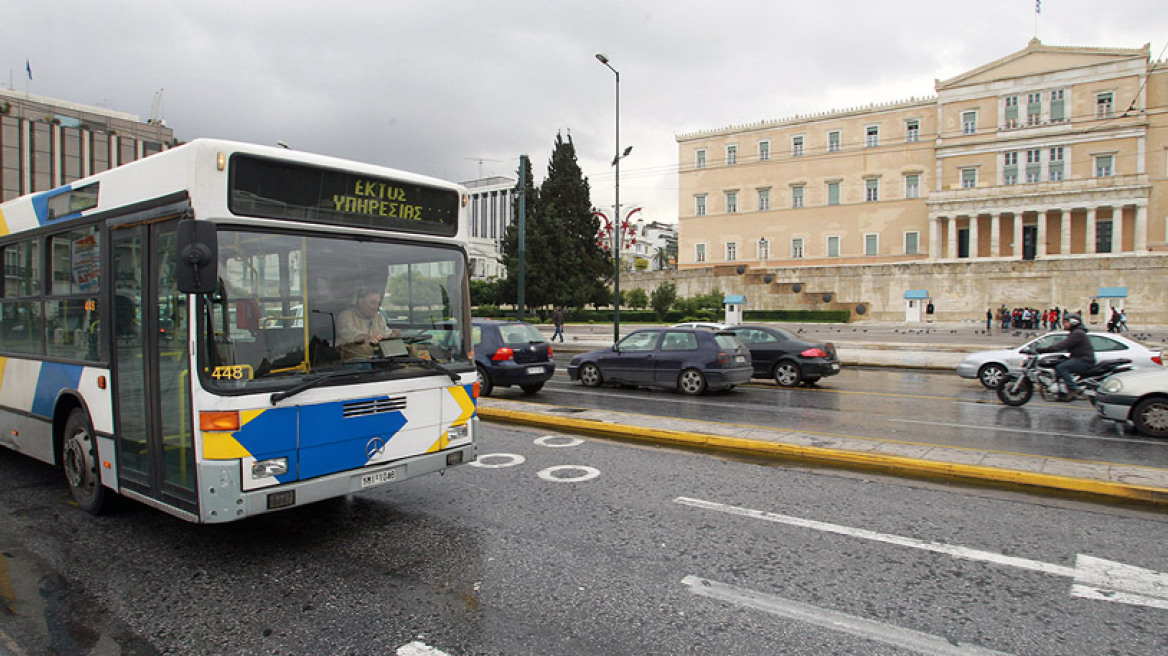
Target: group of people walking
x=1025, y=318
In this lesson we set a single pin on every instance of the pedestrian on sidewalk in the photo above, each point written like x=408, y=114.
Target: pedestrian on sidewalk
x=989, y=320
x=558, y=321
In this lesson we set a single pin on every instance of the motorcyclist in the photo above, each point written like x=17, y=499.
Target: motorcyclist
x=1078, y=346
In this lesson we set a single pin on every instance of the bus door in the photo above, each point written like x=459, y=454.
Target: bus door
x=152, y=413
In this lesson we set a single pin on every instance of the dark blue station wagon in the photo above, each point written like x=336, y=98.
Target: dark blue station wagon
x=686, y=359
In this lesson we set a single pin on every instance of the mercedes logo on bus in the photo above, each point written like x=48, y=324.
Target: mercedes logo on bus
x=374, y=447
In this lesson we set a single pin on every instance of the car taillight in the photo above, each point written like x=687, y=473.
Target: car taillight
x=549, y=351
x=814, y=352
x=504, y=353
x=1157, y=359
x=723, y=358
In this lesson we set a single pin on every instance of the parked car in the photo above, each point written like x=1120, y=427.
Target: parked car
x=990, y=367
x=691, y=360
x=1139, y=396
x=790, y=361
x=704, y=325
x=510, y=353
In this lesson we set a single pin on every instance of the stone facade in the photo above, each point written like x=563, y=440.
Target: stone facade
x=1037, y=179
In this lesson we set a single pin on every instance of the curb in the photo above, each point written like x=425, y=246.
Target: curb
x=845, y=459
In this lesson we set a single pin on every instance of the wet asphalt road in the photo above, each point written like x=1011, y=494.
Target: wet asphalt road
x=570, y=546
x=882, y=403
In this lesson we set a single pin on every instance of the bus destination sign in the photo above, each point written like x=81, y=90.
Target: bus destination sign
x=285, y=190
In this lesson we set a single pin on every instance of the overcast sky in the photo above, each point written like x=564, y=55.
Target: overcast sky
x=461, y=88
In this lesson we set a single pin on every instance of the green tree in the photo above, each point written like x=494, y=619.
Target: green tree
x=640, y=264
x=565, y=266
x=661, y=257
x=636, y=298
x=662, y=299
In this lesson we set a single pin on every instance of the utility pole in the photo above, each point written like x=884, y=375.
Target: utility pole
x=521, y=283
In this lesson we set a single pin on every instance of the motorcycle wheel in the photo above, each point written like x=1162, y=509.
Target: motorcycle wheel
x=1010, y=395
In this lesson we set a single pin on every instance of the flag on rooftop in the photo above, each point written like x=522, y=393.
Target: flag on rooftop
x=28, y=67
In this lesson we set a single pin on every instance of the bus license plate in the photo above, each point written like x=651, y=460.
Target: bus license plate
x=534, y=371
x=378, y=478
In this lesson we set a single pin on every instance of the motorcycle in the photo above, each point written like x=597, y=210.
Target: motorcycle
x=1038, y=372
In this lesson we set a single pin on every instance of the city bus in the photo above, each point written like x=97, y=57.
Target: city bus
x=171, y=330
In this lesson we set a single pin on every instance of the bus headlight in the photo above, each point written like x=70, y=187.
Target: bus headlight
x=269, y=468
x=458, y=432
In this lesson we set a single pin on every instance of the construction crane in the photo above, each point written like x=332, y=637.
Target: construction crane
x=156, y=109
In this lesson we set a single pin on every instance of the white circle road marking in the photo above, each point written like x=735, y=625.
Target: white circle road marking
x=588, y=473
x=558, y=441
x=508, y=460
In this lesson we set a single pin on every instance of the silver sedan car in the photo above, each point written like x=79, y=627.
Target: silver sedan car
x=990, y=367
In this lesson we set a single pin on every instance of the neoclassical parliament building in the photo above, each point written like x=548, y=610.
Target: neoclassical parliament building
x=1036, y=180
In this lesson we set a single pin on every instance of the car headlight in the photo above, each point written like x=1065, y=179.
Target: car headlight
x=1111, y=385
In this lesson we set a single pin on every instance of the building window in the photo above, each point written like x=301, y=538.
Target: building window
x=871, y=244
x=1033, y=165
x=1033, y=109
x=912, y=131
x=731, y=251
x=731, y=202
x=1010, y=168
x=797, y=196
x=764, y=150
x=731, y=155
x=833, y=141
x=968, y=178
x=833, y=246
x=1057, y=108
x=1103, y=165
x=1011, y=112
x=764, y=249
x=912, y=186
x=912, y=243
x=872, y=138
x=872, y=189
x=1056, y=163
x=699, y=252
x=833, y=193
x=1103, y=104
x=764, y=199
x=969, y=122
x=700, y=205
x=797, y=248
x=797, y=146
x=700, y=159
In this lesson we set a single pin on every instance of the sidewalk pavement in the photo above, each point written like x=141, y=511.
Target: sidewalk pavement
x=891, y=347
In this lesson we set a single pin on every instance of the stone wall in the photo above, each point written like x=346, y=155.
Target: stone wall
x=960, y=291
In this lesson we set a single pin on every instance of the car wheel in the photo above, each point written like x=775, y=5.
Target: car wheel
x=992, y=375
x=787, y=373
x=485, y=384
x=532, y=388
x=691, y=382
x=79, y=460
x=1150, y=417
x=590, y=375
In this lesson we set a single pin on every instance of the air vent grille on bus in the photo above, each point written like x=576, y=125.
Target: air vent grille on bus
x=374, y=406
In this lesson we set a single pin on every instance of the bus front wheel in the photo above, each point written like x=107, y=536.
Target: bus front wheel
x=79, y=460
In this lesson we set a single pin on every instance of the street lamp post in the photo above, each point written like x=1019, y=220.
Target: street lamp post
x=603, y=59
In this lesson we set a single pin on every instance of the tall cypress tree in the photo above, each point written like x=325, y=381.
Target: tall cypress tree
x=564, y=264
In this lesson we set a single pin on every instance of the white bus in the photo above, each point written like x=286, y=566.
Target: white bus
x=171, y=330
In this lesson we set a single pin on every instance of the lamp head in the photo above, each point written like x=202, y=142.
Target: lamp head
x=602, y=57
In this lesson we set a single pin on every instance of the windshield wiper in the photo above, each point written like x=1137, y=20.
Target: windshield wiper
x=309, y=384
x=429, y=364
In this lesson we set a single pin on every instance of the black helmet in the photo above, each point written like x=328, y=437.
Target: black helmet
x=1073, y=319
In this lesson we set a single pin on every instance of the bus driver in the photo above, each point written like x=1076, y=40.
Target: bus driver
x=362, y=327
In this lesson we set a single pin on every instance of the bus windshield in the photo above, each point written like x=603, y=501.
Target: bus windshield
x=285, y=303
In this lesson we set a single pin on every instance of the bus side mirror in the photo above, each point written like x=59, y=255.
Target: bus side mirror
x=198, y=257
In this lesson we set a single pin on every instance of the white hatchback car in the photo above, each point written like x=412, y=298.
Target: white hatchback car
x=990, y=367
x=702, y=325
x=1139, y=396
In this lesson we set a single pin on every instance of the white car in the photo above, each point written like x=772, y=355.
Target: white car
x=991, y=367
x=1139, y=396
